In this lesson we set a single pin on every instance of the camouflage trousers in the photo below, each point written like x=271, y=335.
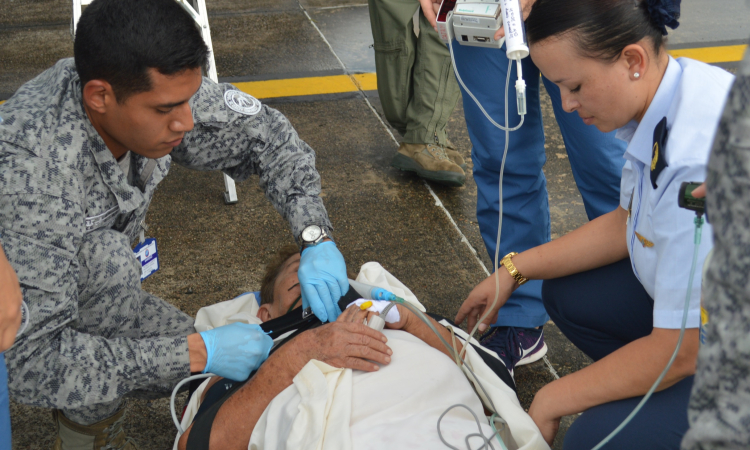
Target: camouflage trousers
x=118, y=324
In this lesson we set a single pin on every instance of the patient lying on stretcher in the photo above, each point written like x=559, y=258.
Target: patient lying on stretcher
x=344, y=385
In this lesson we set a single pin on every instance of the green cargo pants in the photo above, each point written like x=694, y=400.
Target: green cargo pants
x=416, y=84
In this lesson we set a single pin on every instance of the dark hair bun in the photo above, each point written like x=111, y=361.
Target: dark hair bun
x=664, y=13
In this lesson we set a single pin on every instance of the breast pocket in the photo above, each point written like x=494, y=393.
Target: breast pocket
x=37, y=265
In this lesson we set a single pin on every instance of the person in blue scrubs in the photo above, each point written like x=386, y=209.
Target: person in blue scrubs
x=596, y=159
x=617, y=286
x=10, y=320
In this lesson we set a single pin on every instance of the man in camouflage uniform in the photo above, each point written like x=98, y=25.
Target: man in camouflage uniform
x=719, y=409
x=79, y=163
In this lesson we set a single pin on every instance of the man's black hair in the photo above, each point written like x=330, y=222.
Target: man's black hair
x=600, y=28
x=119, y=40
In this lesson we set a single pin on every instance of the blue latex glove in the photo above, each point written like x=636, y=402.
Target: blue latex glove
x=235, y=350
x=322, y=278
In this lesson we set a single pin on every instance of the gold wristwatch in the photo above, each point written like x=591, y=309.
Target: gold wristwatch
x=508, y=263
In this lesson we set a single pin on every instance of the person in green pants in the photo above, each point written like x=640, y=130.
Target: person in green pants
x=417, y=89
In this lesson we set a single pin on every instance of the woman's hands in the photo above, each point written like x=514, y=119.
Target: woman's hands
x=548, y=423
x=481, y=297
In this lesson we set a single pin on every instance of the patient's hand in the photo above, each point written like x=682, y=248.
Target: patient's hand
x=346, y=343
x=355, y=315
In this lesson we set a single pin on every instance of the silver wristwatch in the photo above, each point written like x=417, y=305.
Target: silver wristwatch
x=312, y=235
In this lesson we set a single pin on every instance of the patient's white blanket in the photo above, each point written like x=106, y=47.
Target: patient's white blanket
x=395, y=407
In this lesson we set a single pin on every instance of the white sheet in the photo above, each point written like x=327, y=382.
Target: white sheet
x=396, y=407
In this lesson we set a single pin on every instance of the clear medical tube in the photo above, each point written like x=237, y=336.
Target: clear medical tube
x=500, y=212
x=479, y=105
x=515, y=51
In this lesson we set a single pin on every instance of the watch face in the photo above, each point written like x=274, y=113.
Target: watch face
x=311, y=233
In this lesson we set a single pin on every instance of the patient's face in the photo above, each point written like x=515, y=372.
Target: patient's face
x=286, y=291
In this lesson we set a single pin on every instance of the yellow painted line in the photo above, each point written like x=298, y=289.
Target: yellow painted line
x=368, y=81
x=712, y=55
x=336, y=84
x=293, y=87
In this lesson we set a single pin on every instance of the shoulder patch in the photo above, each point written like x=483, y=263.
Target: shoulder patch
x=659, y=156
x=241, y=102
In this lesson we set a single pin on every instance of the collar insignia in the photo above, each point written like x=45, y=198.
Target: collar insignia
x=659, y=157
x=645, y=242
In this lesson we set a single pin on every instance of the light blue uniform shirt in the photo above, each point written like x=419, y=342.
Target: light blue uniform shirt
x=691, y=96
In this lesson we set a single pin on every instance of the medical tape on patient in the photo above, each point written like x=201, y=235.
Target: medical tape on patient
x=378, y=306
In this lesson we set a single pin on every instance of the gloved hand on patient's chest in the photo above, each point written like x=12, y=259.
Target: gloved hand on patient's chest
x=323, y=280
x=235, y=350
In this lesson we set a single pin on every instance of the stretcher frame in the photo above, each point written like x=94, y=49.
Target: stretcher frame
x=197, y=10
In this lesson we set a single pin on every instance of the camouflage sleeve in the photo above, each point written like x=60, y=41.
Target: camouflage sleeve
x=41, y=230
x=719, y=409
x=55, y=366
x=236, y=134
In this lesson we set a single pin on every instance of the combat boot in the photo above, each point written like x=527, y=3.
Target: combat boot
x=452, y=153
x=105, y=435
x=430, y=162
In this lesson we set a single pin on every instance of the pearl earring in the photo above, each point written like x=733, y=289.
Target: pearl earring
x=636, y=75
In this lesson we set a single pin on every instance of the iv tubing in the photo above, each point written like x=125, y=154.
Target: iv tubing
x=500, y=200
x=507, y=83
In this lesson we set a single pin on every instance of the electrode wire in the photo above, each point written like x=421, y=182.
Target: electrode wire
x=176, y=421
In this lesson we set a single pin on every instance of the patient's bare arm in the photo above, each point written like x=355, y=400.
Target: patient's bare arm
x=340, y=344
x=412, y=324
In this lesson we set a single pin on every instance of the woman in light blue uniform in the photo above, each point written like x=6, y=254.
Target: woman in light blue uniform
x=616, y=287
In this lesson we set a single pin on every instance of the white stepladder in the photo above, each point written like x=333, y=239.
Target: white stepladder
x=197, y=10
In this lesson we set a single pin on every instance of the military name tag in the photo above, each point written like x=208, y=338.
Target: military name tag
x=242, y=103
x=105, y=219
x=147, y=254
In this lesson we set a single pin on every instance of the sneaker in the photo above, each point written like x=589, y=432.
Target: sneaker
x=515, y=346
x=430, y=162
x=452, y=153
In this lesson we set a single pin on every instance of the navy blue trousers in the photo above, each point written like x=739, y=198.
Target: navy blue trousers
x=600, y=311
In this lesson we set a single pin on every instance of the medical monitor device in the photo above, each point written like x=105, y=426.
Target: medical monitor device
x=475, y=22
